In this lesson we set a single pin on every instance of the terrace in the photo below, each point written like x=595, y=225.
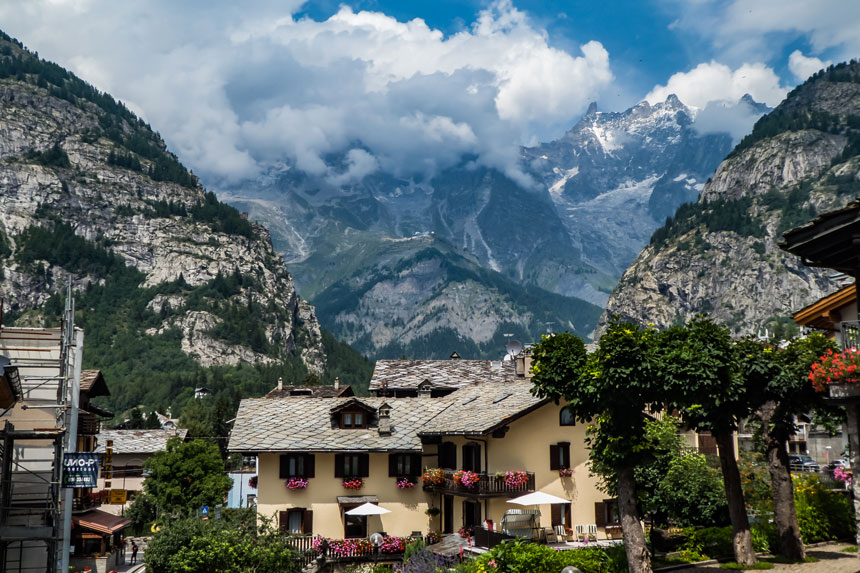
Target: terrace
x=481, y=485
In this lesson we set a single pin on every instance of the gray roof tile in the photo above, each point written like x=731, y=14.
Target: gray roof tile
x=408, y=374
x=137, y=441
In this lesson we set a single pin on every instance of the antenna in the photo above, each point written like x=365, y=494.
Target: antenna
x=513, y=348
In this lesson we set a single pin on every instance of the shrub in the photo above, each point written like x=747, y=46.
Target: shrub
x=521, y=557
x=821, y=513
x=708, y=542
x=693, y=492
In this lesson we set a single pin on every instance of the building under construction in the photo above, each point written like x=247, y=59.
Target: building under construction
x=38, y=419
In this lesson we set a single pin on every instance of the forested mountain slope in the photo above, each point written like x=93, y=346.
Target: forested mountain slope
x=174, y=289
x=719, y=255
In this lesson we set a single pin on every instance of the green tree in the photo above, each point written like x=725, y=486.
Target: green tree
x=230, y=545
x=784, y=391
x=692, y=492
x=611, y=389
x=703, y=382
x=665, y=445
x=186, y=476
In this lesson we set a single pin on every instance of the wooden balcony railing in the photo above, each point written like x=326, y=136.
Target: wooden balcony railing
x=486, y=486
x=850, y=334
x=88, y=424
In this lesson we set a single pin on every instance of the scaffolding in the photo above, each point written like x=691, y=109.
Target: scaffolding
x=34, y=435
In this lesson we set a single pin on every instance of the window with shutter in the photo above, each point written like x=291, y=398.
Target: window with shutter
x=564, y=454
x=297, y=465
x=308, y=522
x=472, y=457
x=338, y=465
x=565, y=418
x=392, y=465
x=310, y=470
x=363, y=465
x=448, y=455
x=284, y=470
x=554, y=457
x=600, y=514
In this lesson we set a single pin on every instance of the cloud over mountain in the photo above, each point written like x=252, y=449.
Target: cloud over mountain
x=402, y=96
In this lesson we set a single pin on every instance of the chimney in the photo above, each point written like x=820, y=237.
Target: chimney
x=280, y=383
x=337, y=383
x=384, y=420
x=524, y=365
x=424, y=389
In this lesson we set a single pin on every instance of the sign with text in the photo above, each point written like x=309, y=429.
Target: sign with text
x=80, y=469
x=117, y=497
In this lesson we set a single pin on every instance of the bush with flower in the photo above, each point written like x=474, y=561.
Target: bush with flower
x=466, y=478
x=836, y=368
x=297, y=483
x=405, y=483
x=357, y=547
x=565, y=472
x=433, y=476
x=353, y=483
x=843, y=475
x=516, y=479
x=432, y=537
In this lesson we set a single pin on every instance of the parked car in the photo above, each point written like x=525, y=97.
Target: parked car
x=840, y=463
x=802, y=463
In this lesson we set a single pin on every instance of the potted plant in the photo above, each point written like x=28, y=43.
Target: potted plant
x=353, y=483
x=565, y=472
x=837, y=373
x=252, y=482
x=466, y=478
x=516, y=479
x=433, y=511
x=297, y=483
x=433, y=476
x=405, y=483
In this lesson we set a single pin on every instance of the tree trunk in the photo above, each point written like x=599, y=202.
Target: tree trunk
x=638, y=557
x=790, y=544
x=852, y=411
x=742, y=541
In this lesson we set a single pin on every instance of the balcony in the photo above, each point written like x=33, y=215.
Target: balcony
x=88, y=424
x=89, y=500
x=850, y=334
x=486, y=486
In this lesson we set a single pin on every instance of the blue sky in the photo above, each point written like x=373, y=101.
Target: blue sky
x=241, y=89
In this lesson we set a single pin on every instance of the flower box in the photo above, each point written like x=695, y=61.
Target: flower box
x=516, y=479
x=433, y=476
x=353, y=483
x=843, y=390
x=565, y=472
x=405, y=483
x=297, y=483
x=466, y=478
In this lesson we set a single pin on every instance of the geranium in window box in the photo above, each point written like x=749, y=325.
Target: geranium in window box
x=837, y=371
x=252, y=482
x=565, y=472
x=405, y=483
x=353, y=483
x=466, y=478
x=297, y=483
x=433, y=476
x=516, y=479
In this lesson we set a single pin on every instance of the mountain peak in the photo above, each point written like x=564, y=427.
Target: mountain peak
x=673, y=101
x=592, y=109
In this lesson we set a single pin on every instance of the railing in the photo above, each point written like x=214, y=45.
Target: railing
x=486, y=486
x=88, y=424
x=303, y=545
x=89, y=500
x=850, y=334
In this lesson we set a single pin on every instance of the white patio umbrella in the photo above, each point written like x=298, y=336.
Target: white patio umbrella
x=537, y=498
x=367, y=509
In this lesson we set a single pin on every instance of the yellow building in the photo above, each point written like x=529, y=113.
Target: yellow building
x=310, y=449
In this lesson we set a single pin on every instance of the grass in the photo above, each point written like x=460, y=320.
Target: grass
x=849, y=549
x=780, y=559
x=738, y=567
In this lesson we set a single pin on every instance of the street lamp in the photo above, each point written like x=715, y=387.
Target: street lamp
x=376, y=540
x=570, y=569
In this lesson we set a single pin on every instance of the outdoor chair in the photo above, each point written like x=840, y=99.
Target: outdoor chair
x=592, y=532
x=550, y=535
x=560, y=533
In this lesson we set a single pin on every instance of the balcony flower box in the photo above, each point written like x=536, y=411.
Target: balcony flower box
x=565, y=472
x=466, y=478
x=433, y=476
x=405, y=483
x=353, y=483
x=838, y=373
x=297, y=483
x=516, y=479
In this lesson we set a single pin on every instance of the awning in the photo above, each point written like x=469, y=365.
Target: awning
x=101, y=521
x=356, y=499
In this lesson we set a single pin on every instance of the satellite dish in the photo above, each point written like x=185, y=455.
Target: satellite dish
x=514, y=347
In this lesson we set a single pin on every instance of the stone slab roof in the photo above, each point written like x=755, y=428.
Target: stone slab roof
x=320, y=391
x=481, y=408
x=137, y=441
x=305, y=424
x=408, y=374
x=93, y=383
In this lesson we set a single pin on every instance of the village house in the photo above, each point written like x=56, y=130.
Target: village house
x=317, y=458
x=131, y=449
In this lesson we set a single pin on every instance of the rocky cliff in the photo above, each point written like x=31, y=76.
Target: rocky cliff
x=90, y=195
x=719, y=255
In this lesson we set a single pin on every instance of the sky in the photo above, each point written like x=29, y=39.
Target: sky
x=411, y=87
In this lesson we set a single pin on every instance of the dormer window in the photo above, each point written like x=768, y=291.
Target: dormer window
x=353, y=419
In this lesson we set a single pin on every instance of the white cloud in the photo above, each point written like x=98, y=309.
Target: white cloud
x=802, y=66
x=235, y=89
x=735, y=118
x=714, y=82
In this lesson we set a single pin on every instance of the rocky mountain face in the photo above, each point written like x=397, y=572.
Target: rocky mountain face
x=720, y=254
x=602, y=190
x=90, y=196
